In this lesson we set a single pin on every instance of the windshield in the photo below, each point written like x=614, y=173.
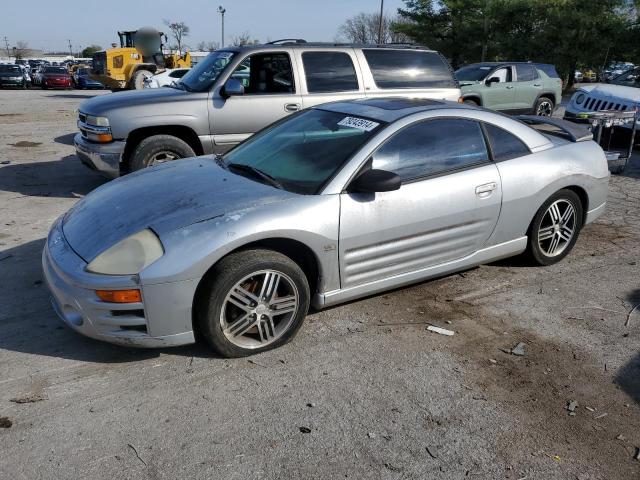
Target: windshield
x=201, y=77
x=302, y=153
x=9, y=68
x=628, y=79
x=473, y=72
x=59, y=70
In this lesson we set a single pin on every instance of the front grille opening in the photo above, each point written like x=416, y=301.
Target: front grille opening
x=134, y=328
x=128, y=313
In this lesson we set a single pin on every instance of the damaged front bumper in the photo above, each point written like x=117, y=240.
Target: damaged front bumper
x=129, y=324
x=101, y=157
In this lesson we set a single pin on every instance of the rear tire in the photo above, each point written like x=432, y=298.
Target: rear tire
x=159, y=149
x=555, y=228
x=252, y=301
x=469, y=101
x=137, y=81
x=544, y=107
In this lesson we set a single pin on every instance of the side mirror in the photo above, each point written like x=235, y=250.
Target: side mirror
x=232, y=88
x=372, y=181
x=491, y=80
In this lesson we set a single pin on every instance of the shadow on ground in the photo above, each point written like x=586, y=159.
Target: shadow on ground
x=71, y=95
x=629, y=376
x=29, y=324
x=64, y=178
x=65, y=139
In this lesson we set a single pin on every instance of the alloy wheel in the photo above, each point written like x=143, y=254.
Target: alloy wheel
x=161, y=157
x=259, y=309
x=557, y=228
x=544, y=109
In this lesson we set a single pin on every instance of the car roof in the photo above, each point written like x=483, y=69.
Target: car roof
x=390, y=109
x=294, y=43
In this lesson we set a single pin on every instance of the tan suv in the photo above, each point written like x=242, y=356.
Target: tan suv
x=237, y=91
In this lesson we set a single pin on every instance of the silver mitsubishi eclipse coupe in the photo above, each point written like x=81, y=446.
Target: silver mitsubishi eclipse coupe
x=330, y=204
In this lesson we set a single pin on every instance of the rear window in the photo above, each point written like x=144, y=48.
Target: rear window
x=549, y=69
x=329, y=72
x=409, y=69
x=60, y=70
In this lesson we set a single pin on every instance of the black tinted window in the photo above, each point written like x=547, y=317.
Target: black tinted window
x=526, y=73
x=329, y=72
x=504, y=145
x=264, y=73
x=409, y=69
x=431, y=147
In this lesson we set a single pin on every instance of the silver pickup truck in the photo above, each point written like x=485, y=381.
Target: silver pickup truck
x=237, y=91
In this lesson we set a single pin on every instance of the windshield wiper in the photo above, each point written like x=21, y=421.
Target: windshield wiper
x=256, y=172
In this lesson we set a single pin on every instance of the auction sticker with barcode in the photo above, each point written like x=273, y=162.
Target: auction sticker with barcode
x=359, y=123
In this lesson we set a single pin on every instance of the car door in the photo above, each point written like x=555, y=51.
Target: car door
x=270, y=93
x=446, y=208
x=498, y=92
x=528, y=86
x=328, y=75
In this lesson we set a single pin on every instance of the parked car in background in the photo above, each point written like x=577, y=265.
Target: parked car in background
x=36, y=77
x=165, y=78
x=12, y=75
x=83, y=79
x=589, y=75
x=577, y=76
x=56, y=77
x=232, y=247
x=237, y=91
x=511, y=87
x=622, y=93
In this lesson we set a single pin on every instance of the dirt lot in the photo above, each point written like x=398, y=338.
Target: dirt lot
x=365, y=391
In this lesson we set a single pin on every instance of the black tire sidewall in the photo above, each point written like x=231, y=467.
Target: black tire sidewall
x=534, y=248
x=148, y=147
x=225, y=275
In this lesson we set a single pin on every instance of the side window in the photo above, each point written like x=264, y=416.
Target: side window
x=431, y=147
x=526, y=72
x=504, y=145
x=503, y=75
x=409, y=69
x=265, y=73
x=329, y=72
x=178, y=74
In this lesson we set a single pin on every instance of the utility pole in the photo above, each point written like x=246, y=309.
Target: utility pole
x=222, y=11
x=6, y=43
x=380, y=22
x=70, y=48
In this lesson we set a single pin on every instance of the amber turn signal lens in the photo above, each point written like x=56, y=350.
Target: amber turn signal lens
x=104, y=137
x=460, y=100
x=119, y=296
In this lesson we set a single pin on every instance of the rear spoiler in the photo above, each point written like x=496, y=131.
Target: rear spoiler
x=573, y=131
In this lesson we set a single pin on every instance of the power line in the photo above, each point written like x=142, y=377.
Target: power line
x=6, y=42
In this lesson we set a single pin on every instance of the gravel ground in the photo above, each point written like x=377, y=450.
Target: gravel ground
x=364, y=391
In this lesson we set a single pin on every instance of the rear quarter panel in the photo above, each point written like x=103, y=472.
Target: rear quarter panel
x=527, y=182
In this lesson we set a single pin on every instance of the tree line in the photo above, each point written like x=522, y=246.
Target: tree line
x=567, y=33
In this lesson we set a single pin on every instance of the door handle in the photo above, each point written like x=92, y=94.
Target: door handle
x=292, y=107
x=509, y=87
x=537, y=84
x=485, y=190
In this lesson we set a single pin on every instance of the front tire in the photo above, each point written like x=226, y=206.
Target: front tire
x=137, y=82
x=252, y=301
x=159, y=149
x=469, y=101
x=544, y=107
x=555, y=228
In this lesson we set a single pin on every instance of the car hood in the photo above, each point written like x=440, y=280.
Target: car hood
x=610, y=90
x=101, y=105
x=163, y=198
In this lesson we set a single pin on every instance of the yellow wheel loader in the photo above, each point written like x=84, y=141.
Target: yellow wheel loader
x=140, y=55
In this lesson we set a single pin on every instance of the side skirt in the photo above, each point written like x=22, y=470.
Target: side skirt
x=486, y=255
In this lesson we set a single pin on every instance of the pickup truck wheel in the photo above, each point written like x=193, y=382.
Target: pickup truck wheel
x=158, y=149
x=469, y=101
x=137, y=82
x=544, y=107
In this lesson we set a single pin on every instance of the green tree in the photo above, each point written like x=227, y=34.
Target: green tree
x=90, y=50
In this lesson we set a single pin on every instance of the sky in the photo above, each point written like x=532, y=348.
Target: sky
x=47, y=24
